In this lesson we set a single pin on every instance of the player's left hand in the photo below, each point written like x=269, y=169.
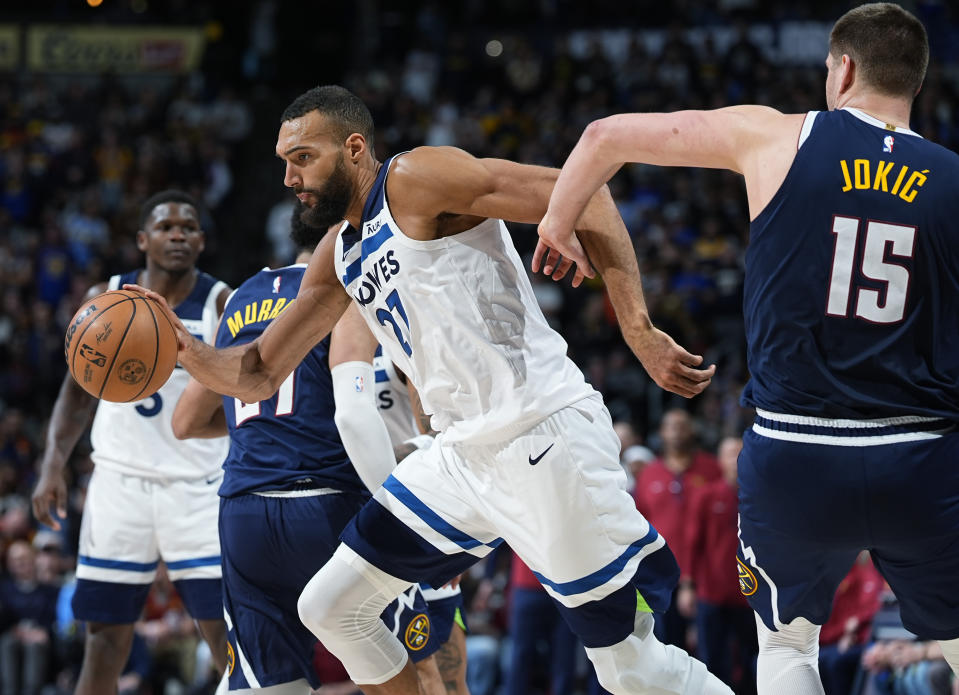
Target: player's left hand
x=556, y=252
x=669, y=365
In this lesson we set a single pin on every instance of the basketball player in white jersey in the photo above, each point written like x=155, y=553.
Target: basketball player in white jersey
x=150, y=496
x=526, y=452
x=395, y=400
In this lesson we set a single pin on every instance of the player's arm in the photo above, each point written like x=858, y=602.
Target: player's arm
x=199, y=413
x=426, y=432
x=445, y=179
x=731, y=138
x=253, y=372
x=362, y=429
x=72, y=413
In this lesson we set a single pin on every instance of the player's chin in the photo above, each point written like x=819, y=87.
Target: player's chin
x=178, y=263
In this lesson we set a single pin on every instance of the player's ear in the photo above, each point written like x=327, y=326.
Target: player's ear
x=356, y=147
x=847, y=73
x=202, y=245
x=142, y=241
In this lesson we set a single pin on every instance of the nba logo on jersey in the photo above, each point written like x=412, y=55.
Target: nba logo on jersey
x=276, y=280
x=887, y=143
x=358, y=384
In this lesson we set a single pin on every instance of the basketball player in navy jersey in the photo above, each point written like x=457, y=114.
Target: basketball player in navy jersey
x=526, y=452
x=289, y=489
x=150, y=497
x=851, y=299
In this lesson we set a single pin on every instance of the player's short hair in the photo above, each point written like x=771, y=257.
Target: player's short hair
x=887, y=44
x=168, y=196
x=346, y=111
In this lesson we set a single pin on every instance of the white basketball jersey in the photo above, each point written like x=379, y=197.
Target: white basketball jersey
x=458, y=316
x=393, y=400
x=137, y=438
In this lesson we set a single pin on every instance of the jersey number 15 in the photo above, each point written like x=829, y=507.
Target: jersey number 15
x=882, y=239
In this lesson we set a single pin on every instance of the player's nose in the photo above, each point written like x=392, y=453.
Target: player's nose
x=290, y=178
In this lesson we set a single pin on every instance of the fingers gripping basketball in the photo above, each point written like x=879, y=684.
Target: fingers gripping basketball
x=120, y=346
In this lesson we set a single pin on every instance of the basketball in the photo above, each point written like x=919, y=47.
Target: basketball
x=120, y=346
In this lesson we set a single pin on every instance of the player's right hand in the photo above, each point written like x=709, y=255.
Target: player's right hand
x=669, y=365
x=51, y=491
x=183, y=336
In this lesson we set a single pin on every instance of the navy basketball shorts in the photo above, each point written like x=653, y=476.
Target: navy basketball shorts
x=271, y=547
x=446, y=610
x=556, y=494
x=814, y=492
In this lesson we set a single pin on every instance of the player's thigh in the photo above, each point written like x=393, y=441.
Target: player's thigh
x=561, y=503
x=271, y=547
x=185, y=516
x=915, y=518
x=802, y=521
x=425, y=524
x=118, y=553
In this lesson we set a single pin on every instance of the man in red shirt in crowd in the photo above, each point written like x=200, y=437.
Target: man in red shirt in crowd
x=843, y=638
x=709, y=588
x=662, y=493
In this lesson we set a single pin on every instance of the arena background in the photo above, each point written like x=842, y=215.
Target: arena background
x=102, y=105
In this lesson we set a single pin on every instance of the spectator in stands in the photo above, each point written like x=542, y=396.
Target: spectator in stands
x=709, y=589
x=663, y=492
x=25, y=644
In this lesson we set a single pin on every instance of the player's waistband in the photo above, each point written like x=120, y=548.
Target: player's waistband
x=838, y=432
x=308, y=492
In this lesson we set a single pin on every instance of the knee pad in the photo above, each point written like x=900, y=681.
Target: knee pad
x=342, y=605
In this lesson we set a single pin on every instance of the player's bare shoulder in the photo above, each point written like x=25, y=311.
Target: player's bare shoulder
x=768, y=142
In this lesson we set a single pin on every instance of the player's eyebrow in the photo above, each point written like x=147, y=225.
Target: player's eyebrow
x=292, y=150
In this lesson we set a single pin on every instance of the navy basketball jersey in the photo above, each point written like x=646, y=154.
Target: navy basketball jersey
x=288, y=441
x=852, y=276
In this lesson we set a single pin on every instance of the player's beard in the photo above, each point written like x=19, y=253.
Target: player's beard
x=331, y=201
x=302, y=234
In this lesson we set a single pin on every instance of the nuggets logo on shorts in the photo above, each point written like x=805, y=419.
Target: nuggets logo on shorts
x=747, y=580
x=418, y=632
x=230, y=659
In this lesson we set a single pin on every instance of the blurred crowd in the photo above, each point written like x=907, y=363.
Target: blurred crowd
x=77, y=157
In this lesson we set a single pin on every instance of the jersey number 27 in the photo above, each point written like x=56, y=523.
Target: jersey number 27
x=284, y=402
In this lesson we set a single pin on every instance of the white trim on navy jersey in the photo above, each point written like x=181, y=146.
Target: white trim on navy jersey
x=806, y=127
x=872, y=120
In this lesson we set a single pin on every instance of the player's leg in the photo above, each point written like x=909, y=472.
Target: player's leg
x=263, y=573
x=451, y=660
x=116, y=564
x=917, y=550
x=419, y=527
x=189, y=544
x=106, y=649
x=579, y=531
x=802, y=521
x=449, y=628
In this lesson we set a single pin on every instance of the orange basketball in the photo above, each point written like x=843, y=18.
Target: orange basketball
x=120, y=346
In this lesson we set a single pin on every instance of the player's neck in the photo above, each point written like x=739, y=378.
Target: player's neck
x=891, y=110
x=365, y=178
x=174, y=286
